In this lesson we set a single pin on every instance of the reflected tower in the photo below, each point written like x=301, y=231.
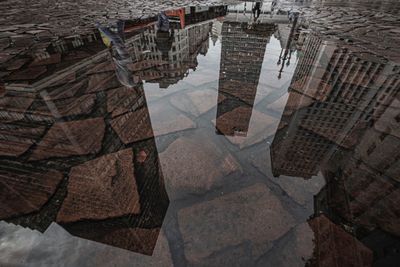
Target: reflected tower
x=362, y=184
x=242, y=55
x=81, y=152
x=342, y=118
x=77, y=147
x=335, y=93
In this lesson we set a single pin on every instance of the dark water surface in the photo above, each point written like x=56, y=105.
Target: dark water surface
x=217, y=139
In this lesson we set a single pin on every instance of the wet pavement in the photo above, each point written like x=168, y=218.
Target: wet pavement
x=210, y=136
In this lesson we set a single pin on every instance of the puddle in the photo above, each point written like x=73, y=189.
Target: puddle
x=204, y=136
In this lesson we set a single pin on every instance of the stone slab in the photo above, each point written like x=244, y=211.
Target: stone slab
x=259, y=126
x=252, y=214
x=336, y=247
x=197, y=102
x=16, y=140
x=65, y=139
x=23, y=193
x=299, y=189
x=74, y=106
x=101, y=188
x=122, y=100
x=192, y=166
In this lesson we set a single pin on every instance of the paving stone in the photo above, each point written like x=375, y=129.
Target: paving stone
x=230, y=86
x=14, y=104
x=67, y=107
x=8, y=28
x=202, y=77
x=26, y=192
x=102, y=82
x=34, y=32
x=73, y=138
x=133, y=239
x=299, y=189
x=312, y=87
x=280, y=104
x=295, y=249
x=193, y=165
x=382, y=213
x=62, y=248
x=154, y=92
x=53, y=59
x=66, y=91
x=70, y=78
x=302, y=191
x=4, y=74
x=133, y=126
x=342, y=137
x=106, y=66
x=260, y=126
x=101, y=188
x=336, y=247
x=388, y=122
x=160, y=257
x=16, y=64
x=76, y=55
x=234, y=256
x=27, y=74
x=182, y=102
x=4, y=57
x=253, y=214
x=296, y=101
x=197, y=102
x=22, y=40
x=166, y=120
x=2, y=89
x=122, y=100
x=336, y=16
x=136, y=126
x=16, y=140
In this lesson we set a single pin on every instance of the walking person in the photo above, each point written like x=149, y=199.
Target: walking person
x=114, y=38
x=257, y=10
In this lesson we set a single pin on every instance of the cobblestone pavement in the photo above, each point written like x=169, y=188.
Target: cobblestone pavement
x=238, y=142
x=74, y=15
x=374, y=31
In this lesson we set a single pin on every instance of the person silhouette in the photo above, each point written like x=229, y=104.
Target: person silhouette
x=114, y=38
x=257, y=10
x=164, y=35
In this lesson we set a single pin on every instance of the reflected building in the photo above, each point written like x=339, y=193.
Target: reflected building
x=169, y=66
x=332, y=98
x=194, y=15
x=99, y=184
x=77, y=147
x=363, y=184
x=362, y=188
x=335, y=247
x=216, y=31
x=342, y=118
x=242, y=55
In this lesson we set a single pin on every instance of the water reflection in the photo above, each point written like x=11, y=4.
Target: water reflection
x=242, y=55
x=68, y=155
x=77, y=141
x=339, y=120
x=268, y=142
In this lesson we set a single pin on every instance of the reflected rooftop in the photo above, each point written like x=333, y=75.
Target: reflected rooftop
x=224, y=135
